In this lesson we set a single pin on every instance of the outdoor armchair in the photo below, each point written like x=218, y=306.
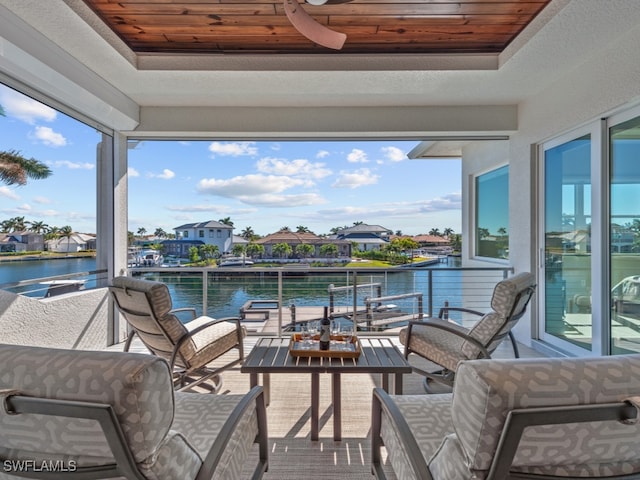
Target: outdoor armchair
x=80, y=415
x=190, y=348
x=507, y=419
x=446, y=343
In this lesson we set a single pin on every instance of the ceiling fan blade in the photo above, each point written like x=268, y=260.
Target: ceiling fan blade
x=314, y=31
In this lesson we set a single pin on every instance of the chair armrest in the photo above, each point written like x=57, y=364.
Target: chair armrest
x=204, y=326
x=447, y=309
x=252, y=400
x=185, y=309
x=384, y=405
x=450, y=328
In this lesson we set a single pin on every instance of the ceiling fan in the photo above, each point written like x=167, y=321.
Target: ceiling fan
x=310, y=28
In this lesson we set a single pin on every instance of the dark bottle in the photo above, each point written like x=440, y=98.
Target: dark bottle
x=325, y=330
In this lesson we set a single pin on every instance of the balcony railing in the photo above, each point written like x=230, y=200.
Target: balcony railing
x=274, y=300
x=46, y=287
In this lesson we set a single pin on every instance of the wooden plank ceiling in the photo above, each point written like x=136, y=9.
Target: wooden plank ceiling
x=371, y=26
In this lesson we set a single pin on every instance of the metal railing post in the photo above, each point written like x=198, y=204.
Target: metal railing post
x=430, y=293
x=205, y=290
x=354, y=327
x=280, y=303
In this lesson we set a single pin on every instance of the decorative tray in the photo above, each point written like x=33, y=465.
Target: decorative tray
x=337, y=349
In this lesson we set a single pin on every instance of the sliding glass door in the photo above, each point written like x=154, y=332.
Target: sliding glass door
x=624, y=146
x=590, y=238
x=565, y=256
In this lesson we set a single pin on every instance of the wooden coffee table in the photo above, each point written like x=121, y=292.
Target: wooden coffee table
x=379, y=355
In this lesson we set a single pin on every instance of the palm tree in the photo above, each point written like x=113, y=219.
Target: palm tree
x=52, y=233
x=247, y=233
x=255, y=250
x=335, y=230
x=304, y=250
x=160, y=233
x=209, y=250
x=282, y=250
x=15, y=169
x=285, y=229
x=435, y=232
x=67, y=232
x=38, y=227
x=142, y=231
x=15, y=224
x=329, y=250
x=448, y=232
x=302, y=229
x=226, y=221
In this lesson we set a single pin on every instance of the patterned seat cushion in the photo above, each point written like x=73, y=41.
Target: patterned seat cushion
x=211, y=342
x=439, y=346
x=486, y=390
x=503, y=303
x=139, y=388
x=429, y=418
x=201, y=417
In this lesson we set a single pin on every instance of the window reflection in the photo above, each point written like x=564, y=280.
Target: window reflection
x=625, y=237
x=492, y=214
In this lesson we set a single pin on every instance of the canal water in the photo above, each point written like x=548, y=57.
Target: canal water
x=228, y=292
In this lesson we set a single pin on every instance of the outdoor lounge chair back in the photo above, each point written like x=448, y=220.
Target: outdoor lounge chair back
x=507, y=419
x=188, y=347
x=83, y=415
x=446, y=343
x=508, y=302
x=147, y=307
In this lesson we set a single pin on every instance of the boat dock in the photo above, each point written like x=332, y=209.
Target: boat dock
x=265, y=320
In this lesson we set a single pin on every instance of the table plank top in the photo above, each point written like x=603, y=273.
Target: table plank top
x=379, y=355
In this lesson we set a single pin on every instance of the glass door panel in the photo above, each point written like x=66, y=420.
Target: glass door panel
x=567, y=243
x=625, y=237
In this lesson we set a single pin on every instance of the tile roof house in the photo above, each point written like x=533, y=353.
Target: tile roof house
x=293, y=239
x=366, y=237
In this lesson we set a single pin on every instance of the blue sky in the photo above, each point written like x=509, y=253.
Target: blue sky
x=262, y=185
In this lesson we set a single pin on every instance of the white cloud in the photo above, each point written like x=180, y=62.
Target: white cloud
x=24, y=108
x=50, y=138
x=42, y=200
x=298, y=167
x=394, y=154
x=357, y=156
x=322, y=154
x=132, y=172
x=25, y=207
x=453, y=201
x=216, y=209
x=165, y=175
x=9, y=193
x=273, y=200
x=235, y=149
x=355, y=179
x=74, y=165
x=240, y=186
x=260, y=190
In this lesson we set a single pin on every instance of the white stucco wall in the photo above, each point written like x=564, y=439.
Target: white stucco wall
x=77, y=320
x=606, y=83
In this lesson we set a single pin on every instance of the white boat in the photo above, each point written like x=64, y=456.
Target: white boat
x=235, y=262
x=145, y=258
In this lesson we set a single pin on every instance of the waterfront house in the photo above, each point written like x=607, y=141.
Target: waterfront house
x=206, y=233
x=24, y=241
x=365, y=237
x=294, y=239
x=76, y=242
